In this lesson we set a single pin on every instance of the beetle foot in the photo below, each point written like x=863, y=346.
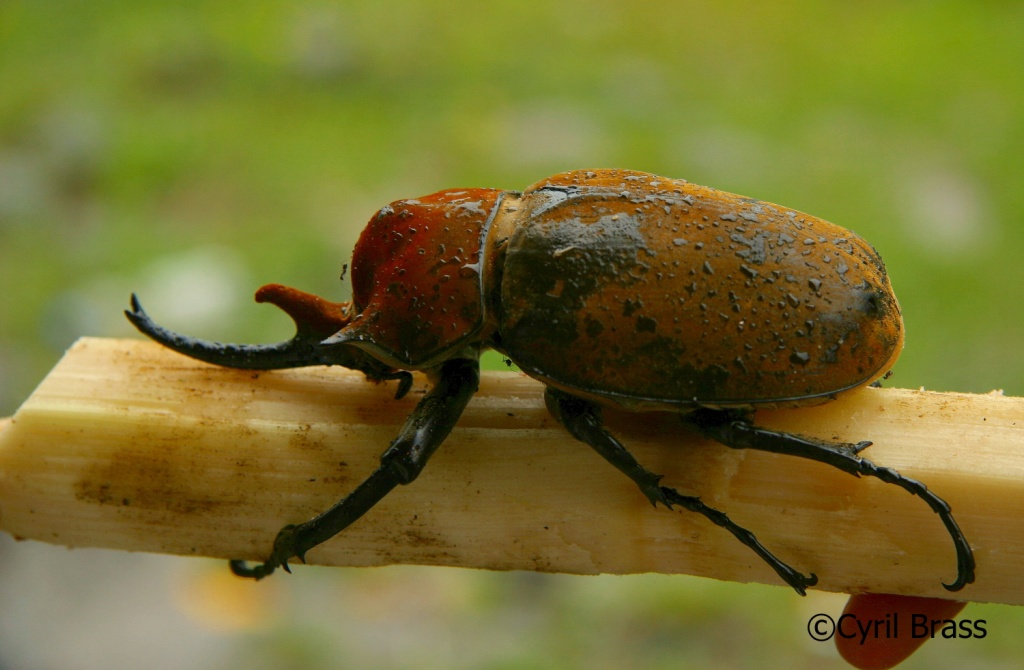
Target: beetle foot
x=284, y=548
x=851, y=449
x=861, y=446
x=404, y=382
x=657, y=493
x=797, y=580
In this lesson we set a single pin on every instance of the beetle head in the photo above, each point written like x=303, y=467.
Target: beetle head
x=416, y=278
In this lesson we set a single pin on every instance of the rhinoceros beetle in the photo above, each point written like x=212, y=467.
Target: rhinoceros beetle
x=613, y=288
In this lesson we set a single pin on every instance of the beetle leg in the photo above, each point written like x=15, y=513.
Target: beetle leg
x=583, y=421
x=736, y=431
x=423, y=432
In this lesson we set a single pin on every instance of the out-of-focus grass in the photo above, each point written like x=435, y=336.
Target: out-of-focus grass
x=193, y=151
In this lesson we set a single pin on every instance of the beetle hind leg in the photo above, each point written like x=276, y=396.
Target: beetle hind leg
x=584, y=422
x=735, y=430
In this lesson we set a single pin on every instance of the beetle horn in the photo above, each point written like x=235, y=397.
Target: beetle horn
x=315, y=319
x=289, y=354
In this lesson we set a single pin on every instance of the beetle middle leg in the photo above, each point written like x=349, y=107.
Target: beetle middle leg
x=583, y=420
x=735, y=430
x=423, y=432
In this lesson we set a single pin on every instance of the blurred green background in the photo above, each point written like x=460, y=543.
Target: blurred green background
x=194, y=151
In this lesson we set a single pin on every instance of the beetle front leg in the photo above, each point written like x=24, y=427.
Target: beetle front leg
x=584, y=422
x=734, y=430
x=424, y=431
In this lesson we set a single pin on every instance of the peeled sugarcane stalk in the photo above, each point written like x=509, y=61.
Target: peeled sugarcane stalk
x=127, y=445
